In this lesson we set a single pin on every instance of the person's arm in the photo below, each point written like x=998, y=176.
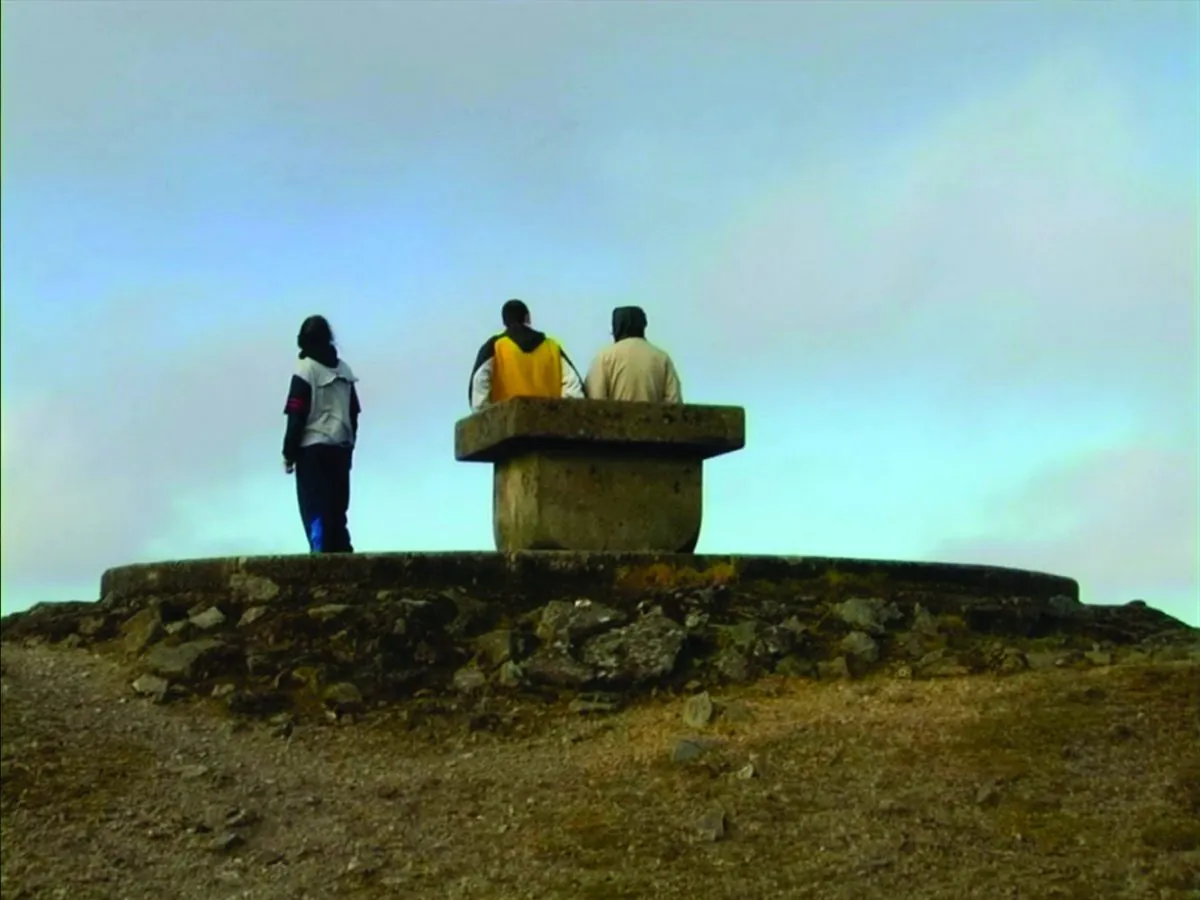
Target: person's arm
x=299, y=402
x=355, y=411
x=572, y=385
x=597, y=378
x=672, y=390
x=479, y=391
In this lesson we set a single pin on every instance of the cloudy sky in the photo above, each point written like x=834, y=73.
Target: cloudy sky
x=945, y=255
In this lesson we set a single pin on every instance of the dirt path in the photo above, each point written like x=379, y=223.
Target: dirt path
x=1050, y=784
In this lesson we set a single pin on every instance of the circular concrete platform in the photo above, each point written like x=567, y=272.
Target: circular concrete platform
x=534, y=577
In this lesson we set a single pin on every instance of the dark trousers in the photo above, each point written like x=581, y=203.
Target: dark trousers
x=323, y=492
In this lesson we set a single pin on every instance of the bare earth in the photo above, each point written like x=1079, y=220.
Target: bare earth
x=1045, y=784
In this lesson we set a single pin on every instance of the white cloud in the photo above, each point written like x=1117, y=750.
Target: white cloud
x=1123, y=521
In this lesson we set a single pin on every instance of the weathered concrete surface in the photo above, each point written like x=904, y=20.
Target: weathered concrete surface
x=537, y=577
x=598, y=475
x=558, y=500
x=525, y=424
x=271, y=633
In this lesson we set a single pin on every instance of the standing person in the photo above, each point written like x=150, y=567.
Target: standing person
x=322, y=425
x=631, y=368
x=521, y=362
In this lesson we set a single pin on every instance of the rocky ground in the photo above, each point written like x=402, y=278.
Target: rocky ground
x=1051, y=782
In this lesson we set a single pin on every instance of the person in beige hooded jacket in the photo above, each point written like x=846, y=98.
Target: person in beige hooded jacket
x=631, y=368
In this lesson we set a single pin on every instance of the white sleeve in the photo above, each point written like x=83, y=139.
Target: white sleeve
x=481, y=387
x=571, y=385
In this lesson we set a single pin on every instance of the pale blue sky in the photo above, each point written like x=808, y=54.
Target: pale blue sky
x=944, y=254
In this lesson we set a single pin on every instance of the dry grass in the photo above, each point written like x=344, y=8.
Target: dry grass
x=1051, y=784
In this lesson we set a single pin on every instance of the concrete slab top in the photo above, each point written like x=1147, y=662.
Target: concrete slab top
x=526, y=424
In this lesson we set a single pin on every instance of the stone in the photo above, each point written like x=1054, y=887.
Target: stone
x=93, y=626
x=1011, y=660
x=193, y=772
x=252, y=615
x=861, y=645
x=733, y=665
x=712, y=825
x=833, y=669
x=643, y=651
x=141, y=630
x=690, y=749
x=595, y=703
x=601, y=475
x=511, y=675
x=469, y=680
x=988, y=794
x=327, y=612
x=230, y=840
x=186, y=662
x=793, y=666
x=179, y=628
x=209, y=619
x=241, y=818
x=940, y=664
x=746, y=772
x=343, y=697
x=741, y=635
x=495, y=648
x=152, y=686
x=867, y=614
x=569, y=622
x=253, y=588
x=698, y=710
x=556, y=667
x=924, y=623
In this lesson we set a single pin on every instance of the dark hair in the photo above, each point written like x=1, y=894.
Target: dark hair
x=315, y=333
x=513, y=313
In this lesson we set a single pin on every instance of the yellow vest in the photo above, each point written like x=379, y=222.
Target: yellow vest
x=516, y=373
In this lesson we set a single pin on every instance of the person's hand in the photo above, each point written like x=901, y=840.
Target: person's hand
x=288, y=467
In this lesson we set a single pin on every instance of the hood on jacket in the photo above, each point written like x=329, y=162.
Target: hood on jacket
x=628, y=322
x=525, y=337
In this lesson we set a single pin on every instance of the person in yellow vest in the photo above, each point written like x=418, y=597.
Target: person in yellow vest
x=632, y=368
x=521, y=362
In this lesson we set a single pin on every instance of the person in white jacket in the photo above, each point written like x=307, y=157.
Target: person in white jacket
x=322, y=428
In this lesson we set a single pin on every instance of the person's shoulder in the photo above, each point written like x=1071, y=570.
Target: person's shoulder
x=344, y=371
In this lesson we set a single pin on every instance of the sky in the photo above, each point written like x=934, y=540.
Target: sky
x=944, y=254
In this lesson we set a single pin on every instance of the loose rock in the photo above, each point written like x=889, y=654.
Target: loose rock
x=712, y=825
x=643, y=651
x=861, y=645
x=698, y=710
x=186, y=661
x=152, y=686
x=142, y=630
x=328, y=612
x=230, y=840
x=209, y=619
x=869, y=614
x=252, y=615
x=555, y=667
x=343, y=697
x=564, y=622
x=468, y=680
x=686, y=750
x=833, y=669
